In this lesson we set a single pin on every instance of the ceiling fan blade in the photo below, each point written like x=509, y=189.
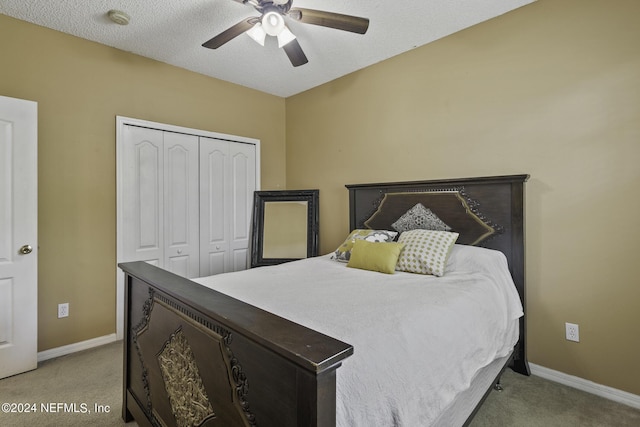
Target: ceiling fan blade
x=338, y=21
x=295, y=53
x=251, y=2
x=231, y=33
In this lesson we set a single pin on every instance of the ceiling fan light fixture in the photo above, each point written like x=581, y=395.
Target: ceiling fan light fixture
x=285, y=37
x=272, y=23
x=257, y=33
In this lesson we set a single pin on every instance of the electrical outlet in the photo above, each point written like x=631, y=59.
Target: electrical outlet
x=572, y=332
x=63, y=310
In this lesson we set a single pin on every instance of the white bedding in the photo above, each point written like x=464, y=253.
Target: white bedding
x=431, y=333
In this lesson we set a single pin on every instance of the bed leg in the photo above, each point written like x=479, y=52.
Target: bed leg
x=521, y=366
x=497, y=386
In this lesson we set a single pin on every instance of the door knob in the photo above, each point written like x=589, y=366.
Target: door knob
x=25, y=250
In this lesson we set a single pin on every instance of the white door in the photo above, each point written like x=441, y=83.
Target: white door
x=184, y=199
x=18, y=236
x=161, y=199
x=227, y=183
x=215, y=199
x=143, y=198
x=243, y=178
x=181, y=204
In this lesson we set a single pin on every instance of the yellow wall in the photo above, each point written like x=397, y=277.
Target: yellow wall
x=80, y=87
x=552, y=90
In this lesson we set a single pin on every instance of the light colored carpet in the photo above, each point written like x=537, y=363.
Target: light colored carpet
x=95, y=377
x=536, y=402
x=89, y=377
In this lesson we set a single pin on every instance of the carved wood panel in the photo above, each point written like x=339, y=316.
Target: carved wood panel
x=189, y=373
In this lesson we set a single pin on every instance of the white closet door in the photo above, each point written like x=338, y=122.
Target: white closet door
x=215, y=195
x=143, y=204
x=243, y=179
x=181, y=205
x=185, y=198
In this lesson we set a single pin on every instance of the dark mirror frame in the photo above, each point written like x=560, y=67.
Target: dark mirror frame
x=257, y=230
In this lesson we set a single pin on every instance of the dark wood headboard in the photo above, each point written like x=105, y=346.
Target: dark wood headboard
x=495, y=202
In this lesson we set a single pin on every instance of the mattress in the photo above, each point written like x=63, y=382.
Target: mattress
x=419, y=340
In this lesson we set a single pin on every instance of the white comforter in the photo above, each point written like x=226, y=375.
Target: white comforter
x=431, y=333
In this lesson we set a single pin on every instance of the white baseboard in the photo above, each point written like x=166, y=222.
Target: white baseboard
x=72, y=348
x=610, y=393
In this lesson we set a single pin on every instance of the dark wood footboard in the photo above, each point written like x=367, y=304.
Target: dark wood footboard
x=194, y=356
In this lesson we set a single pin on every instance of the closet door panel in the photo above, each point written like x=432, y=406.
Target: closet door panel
x=143, y=195
x=178, y=265
x=216, y=263
x=214, y=206
x=240, y=259
x=181, y=205
x=243, y=177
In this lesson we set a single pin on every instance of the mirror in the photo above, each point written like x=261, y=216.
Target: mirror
x=285, y=226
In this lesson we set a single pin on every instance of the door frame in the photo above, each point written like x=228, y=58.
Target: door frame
x=121, y=122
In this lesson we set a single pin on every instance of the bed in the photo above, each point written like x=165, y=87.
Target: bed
x=266, y=348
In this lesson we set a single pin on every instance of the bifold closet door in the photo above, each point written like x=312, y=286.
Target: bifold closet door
x=227, y=183
x=160, y=223
x=181, y=204
x=243, y=179
x=143, y=198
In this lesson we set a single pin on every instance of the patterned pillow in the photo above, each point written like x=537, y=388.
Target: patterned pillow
x=425, y=251
x=419, y=217
x=343, y=253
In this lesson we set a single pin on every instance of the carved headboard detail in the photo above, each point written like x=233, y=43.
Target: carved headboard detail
x=450, y=204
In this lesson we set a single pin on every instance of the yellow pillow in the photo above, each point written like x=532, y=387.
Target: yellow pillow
x=375, y=256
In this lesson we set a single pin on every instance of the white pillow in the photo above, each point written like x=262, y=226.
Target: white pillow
x=425, y=251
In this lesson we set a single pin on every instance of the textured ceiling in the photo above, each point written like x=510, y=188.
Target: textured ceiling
x=172, y=31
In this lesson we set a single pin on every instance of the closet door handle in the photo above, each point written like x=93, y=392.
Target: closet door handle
x=25, y=250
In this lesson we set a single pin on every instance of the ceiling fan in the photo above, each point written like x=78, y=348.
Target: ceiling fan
x=272, y=23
